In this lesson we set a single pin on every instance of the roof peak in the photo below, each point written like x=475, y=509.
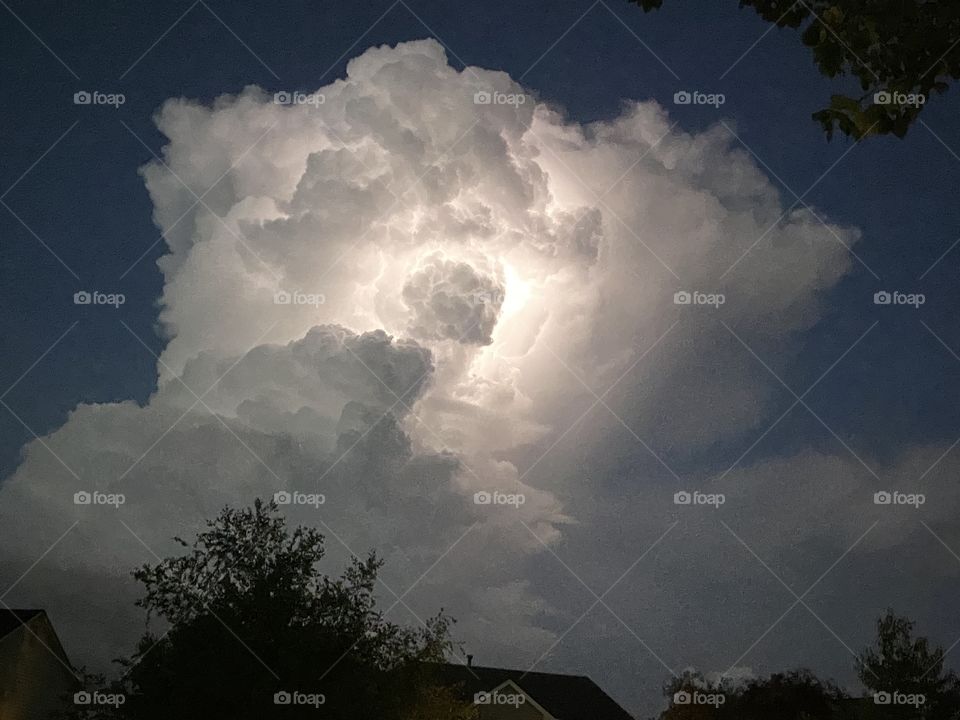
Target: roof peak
x=13, y=618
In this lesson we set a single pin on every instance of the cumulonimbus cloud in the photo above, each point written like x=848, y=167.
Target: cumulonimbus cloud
x=401, y=297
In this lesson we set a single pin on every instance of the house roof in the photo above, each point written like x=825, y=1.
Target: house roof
x=568, y=697
x=11, y=620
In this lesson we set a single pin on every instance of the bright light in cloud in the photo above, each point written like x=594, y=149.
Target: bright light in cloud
x=518, y=293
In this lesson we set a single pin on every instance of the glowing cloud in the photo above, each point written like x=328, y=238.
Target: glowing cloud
x=478, y=272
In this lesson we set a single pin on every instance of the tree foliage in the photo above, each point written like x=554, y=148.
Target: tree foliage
x=898, y=664
x=901, y=52
x=796, y=695
x=253, y=622
x=904, y=677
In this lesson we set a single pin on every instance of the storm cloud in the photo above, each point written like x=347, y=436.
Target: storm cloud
x=463, y=325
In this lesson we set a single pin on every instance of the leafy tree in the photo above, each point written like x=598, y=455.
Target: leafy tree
x=796, y=695
x=253, y=622
x=682, y=693
x=898, y=50
x=899, y=663
x=792, y=696
x=898, y=667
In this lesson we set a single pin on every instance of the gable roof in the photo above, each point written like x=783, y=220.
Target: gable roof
x=568, y=697
x=11, y=620
x=38, y=625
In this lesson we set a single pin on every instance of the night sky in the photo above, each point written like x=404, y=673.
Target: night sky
x=799, y=398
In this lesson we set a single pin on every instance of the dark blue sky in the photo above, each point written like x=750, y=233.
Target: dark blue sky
x=85, y=200
x=75, y=215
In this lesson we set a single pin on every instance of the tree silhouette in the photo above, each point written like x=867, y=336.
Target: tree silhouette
x=904, y=676
x=688, y=695
x=900, y=51
x=797, y=695
x=898, y=668
x=257, y=631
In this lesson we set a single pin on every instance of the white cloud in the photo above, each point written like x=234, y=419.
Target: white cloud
x=452, y=300
x=479, y=265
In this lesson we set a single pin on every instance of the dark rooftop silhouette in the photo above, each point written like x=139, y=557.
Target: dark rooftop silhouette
x=12, y=619
x=571, y=697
